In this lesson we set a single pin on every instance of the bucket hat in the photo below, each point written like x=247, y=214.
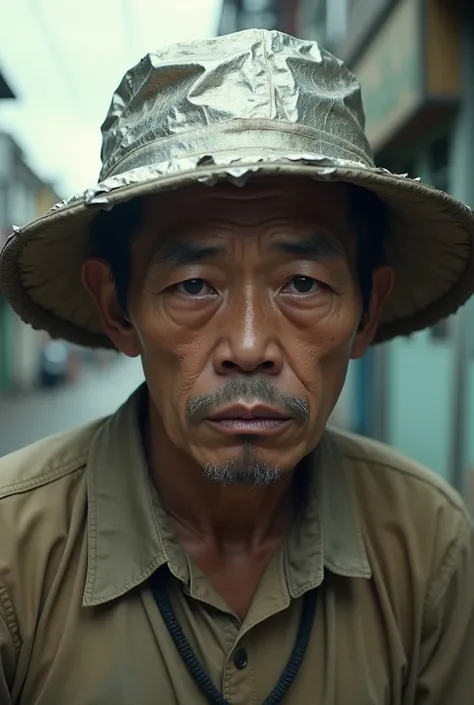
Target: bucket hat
x=254, y=102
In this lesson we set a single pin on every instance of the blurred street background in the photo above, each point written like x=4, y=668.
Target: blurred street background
x=25, y=418
x=59, y=64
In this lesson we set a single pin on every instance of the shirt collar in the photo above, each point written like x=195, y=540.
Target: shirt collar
x=124, y=542
x=129, y=535
x=327, y=534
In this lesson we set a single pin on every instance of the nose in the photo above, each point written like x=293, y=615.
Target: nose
x=248, y=342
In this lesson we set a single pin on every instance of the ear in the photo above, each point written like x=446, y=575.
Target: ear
x=98, y=282
x=382, y=286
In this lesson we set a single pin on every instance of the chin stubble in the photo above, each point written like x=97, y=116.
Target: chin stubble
x=245, y=470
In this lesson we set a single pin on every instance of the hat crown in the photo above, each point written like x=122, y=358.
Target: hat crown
x=254, y=90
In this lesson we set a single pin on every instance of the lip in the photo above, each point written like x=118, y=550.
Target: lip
x=257, y=420
x=248, y=413
x=249, y=427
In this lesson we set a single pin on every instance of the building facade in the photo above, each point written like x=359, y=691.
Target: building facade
x=23, y=196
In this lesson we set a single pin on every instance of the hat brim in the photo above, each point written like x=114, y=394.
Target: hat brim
x=430, y=244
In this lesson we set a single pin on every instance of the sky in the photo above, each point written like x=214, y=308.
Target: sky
x=64, y=59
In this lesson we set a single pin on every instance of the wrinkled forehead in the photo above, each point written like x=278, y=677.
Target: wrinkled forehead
x=291, y=199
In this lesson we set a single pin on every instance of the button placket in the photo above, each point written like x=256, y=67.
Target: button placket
x=238, y=684
x=240, y=659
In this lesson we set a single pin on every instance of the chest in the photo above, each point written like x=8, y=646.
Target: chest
x=235, y=575
x=236, y=581
x=123, y=654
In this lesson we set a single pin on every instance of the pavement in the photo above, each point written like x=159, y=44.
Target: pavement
x=100, y=391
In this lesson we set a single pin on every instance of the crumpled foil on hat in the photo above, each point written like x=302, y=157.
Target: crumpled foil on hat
x=236, y=170
x=229, y=107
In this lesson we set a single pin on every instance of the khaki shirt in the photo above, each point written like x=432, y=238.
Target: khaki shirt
x=388, y=545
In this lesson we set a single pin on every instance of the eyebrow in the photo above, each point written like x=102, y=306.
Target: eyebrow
x=178, y=252
x=316, y=246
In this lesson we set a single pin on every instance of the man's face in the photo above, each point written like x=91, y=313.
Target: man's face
x=244, y=306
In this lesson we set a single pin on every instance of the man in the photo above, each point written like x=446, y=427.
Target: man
x=211, y=542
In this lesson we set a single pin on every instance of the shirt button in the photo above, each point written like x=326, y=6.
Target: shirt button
x=240, y=659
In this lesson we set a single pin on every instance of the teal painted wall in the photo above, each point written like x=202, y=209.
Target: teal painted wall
x=355, y=398
x=419, y=389
x=420, y=402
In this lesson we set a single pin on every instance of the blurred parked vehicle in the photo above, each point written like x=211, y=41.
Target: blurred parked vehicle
x=54, y=363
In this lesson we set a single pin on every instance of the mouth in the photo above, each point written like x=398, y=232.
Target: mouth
x=249, y=420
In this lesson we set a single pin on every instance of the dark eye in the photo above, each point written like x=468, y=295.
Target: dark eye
x=302, y=285
x=193, y=287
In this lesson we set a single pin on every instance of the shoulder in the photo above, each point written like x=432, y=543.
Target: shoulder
x=39, y=487
x=43, y=509
x=411, y=517
x=388, y=469
x=45, y=461
x=43, y=498
x=42, y=485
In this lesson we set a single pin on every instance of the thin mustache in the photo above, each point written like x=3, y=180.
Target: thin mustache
x=248, y=391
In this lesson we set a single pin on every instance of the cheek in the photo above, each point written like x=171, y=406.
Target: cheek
x=173, y=356
x=320, y=355
x=321, y=368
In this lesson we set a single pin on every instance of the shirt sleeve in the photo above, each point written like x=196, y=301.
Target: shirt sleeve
x=446, y=666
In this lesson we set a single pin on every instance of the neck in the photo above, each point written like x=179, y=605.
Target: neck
x=227, y=515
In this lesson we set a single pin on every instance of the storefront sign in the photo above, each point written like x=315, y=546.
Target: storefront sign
x=390, y=72
x=403, y=68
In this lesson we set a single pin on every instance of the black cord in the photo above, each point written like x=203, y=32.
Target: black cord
x=308, y=613
x=207, y=687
